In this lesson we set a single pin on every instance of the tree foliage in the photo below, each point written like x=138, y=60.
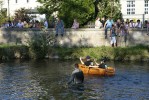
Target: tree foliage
x=39, y=45
x=21, y=14
x=3, y=14
x=109, y=8
x=82, y=10
x=3, y=17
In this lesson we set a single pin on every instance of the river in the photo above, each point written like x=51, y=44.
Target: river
x=46, y=80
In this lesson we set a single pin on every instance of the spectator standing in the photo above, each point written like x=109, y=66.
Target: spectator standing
x=113, y=36
x=59, y=27
x=98, y=24
x=46, y=24
x=118, y=25
x=123, y=35
x=75, y=24
x=107, y=25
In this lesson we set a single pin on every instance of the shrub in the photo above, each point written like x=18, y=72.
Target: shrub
x=39, y=45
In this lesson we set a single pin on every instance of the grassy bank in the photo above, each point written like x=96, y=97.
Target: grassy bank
x=136, y=53
x=8, y=52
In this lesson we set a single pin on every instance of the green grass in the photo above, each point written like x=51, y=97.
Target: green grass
x=8, y=52
x=135, y=53
x=118, y=53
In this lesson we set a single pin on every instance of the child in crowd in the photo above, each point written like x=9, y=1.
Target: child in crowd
x=113, y=36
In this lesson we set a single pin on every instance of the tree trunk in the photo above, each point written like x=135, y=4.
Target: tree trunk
x=96, y=8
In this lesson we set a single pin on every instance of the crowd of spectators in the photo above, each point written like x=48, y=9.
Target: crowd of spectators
x=99, y=23
x=117, y=28
x=130, y=23
x=22, y=24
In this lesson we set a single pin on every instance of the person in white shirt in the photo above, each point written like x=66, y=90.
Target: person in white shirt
x=75, y=24
x=20, y=24
x=98, y=24
x=138, y=24
x=131, y=24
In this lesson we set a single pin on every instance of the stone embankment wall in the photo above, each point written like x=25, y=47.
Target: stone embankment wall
x=74, y=37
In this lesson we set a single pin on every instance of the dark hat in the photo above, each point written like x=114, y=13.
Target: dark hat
x=88, y=57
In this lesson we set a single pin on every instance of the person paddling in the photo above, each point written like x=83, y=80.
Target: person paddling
x=77, y=76
x=102, y=64
x=88, y=61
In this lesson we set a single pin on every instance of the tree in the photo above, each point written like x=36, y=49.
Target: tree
x=109, y=8
x=49, y=7
x=3, y=14
x=3, y=17
x=82, y=10
x=21, y=14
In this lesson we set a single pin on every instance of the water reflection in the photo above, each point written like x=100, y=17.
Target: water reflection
x=46, y=80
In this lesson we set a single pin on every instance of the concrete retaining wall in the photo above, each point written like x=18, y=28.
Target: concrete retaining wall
x=72, y=37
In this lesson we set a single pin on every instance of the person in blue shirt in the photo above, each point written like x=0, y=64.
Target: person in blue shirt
x=108, y=25
x=59, y=27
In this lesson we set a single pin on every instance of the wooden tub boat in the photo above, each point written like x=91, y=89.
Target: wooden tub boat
x=110, y=71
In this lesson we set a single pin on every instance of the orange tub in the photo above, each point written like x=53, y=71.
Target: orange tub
x=110, y=71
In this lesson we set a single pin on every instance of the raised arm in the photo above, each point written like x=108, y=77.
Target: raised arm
x=81, y=61
x=96, y=62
